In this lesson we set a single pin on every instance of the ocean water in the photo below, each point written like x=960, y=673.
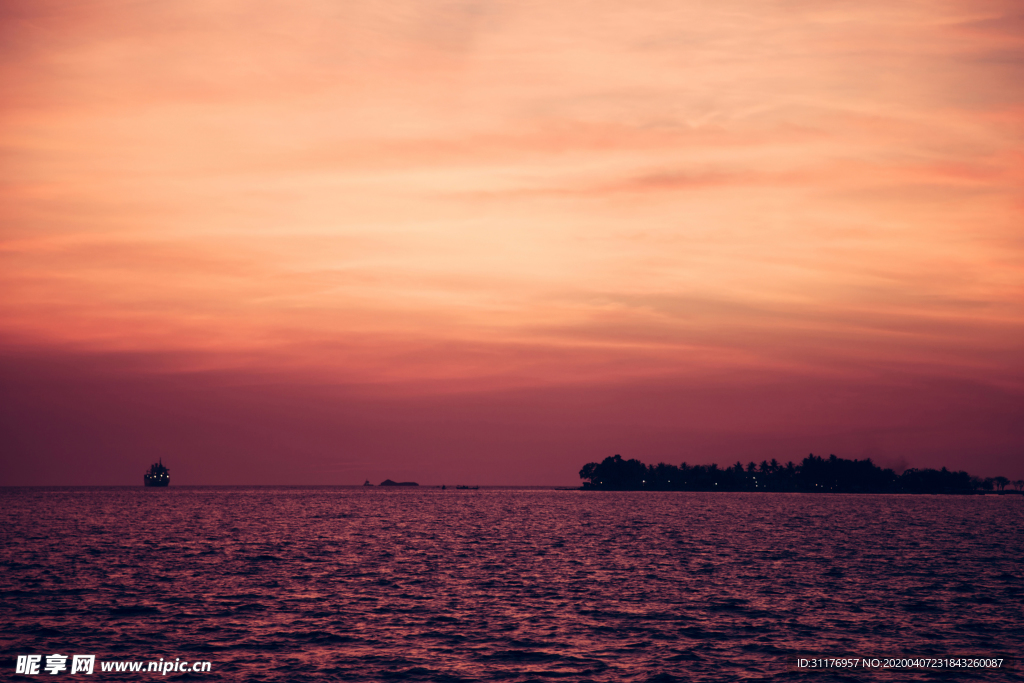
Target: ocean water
x=353, y=584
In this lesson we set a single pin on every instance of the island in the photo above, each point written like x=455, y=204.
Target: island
x=814, y=475
x=388, y=482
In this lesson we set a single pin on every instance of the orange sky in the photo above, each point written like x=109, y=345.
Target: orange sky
x=420, y=202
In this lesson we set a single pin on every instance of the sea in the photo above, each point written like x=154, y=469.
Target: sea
x=505, y=584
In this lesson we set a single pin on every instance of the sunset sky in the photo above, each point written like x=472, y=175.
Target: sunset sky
x=487, y=242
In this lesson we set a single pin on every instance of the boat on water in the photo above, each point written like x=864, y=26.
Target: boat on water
x=158, y=475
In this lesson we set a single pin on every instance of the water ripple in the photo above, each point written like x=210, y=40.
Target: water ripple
x=282, y=584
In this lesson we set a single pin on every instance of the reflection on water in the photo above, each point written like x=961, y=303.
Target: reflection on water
x=281, y=584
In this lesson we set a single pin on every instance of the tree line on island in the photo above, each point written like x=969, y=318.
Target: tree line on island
x=814, y=474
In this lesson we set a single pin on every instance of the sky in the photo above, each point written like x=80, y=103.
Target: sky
x=486, y=242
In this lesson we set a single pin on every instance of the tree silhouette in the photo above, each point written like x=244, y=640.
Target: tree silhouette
x=814, y=475
x=588, y=471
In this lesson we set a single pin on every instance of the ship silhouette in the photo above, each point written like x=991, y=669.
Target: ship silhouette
x=158, y=475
